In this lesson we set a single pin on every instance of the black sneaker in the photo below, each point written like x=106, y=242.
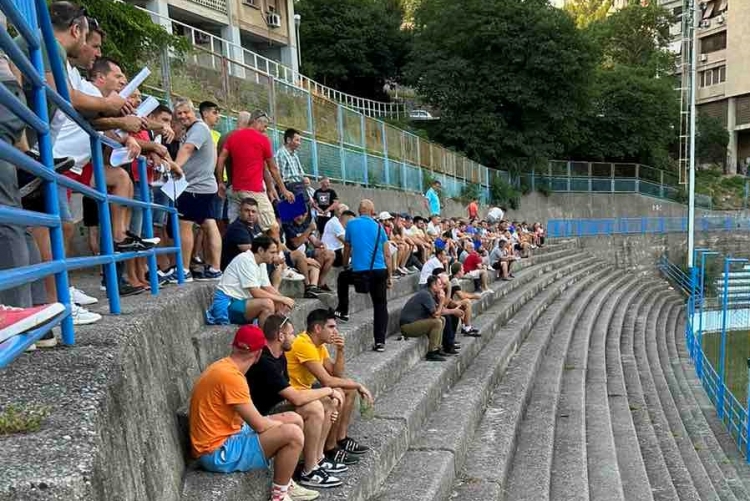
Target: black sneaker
x=314, y=289
x=128, y=244
x=325, y=288
x=471, y=332
x=379, y=347
x=449, y=351
x=332, y=467
x=341, y=456
x=319, y=478
x=435, y=356
x=352, y=447
x=198, y=273
x=207, y=275
x=344, y=317
x=130, y=290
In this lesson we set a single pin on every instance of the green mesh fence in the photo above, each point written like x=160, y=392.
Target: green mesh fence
x=373, y=135
x=290, y=107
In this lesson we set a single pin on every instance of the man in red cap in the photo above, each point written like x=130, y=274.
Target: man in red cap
x=228, y=434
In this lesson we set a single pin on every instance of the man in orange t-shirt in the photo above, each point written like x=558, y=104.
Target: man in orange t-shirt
x=228, y=434
x=473, y=209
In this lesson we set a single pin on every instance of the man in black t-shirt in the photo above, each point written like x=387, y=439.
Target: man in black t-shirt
x=269, y=385
x=324, y=201
x=240, y=234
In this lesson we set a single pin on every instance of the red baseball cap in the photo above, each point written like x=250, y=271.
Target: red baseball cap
x=249, y=338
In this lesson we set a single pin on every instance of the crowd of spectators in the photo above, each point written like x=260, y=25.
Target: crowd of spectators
x=249, y=219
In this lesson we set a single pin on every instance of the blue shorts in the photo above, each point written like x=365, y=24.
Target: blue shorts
x=159, y=197
x=237, y=311
x=196, y=207
x=241, y=452
x=66, y=215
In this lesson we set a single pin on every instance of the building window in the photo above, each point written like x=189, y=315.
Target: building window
x=713, y=76
x=271, y=6
x=714, y=43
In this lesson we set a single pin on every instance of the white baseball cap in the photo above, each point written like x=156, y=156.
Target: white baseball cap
x=385, y=216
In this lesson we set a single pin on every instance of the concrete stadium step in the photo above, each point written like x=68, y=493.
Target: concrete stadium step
x=488, y=458
x=380, y=370
x=687, y=471
x=662, y=486
x=604, y=478
x=530, y=477
x=211, y=342
x=569, y=479
x=695, y=424
x=715, y=447
x=451, y=427
x=411, y=403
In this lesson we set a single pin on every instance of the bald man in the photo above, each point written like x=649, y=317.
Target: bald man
x=367, y=244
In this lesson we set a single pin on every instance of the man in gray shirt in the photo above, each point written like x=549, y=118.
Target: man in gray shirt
x=197, y=158
x=423, y=316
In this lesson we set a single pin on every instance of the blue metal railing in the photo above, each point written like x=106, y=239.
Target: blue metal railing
x=729, y=409
x=31, y=18
x=560, y=228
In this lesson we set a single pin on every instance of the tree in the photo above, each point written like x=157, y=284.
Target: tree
x=712, y=140
x=587, y=11
x=353, y=45
x=509, y=77
x=133, y=39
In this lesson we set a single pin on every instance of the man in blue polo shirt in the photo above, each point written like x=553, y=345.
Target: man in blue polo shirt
x=367, y=244
x=432, y=200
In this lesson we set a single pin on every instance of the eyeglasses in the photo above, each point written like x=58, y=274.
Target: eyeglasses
x=283, y=323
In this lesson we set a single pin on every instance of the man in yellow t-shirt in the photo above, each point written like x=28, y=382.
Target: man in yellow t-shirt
x=228, y=434
x=309, y=361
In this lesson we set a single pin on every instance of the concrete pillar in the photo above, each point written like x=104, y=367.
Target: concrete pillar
x=732, y=146
x=161, y=9
x=289, y=52
x=234, y=51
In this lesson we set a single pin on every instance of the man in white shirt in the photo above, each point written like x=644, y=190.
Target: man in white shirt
x=244, y=291
x=433, y=227
x=335, y=230
x=439, y=260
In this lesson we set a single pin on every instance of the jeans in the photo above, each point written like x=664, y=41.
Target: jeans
x=19, y=248
x=449, y=332
x=378, y=293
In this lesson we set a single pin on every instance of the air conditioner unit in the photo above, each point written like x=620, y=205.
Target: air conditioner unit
x=704, y=58
x=273, y=20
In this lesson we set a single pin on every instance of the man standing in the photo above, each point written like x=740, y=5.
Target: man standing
x=309, y=361
x=473, y=209
x=325, y=201
x=197, y=158
x=289, y=164
x=210, y=115
x=250, y=152
x=244, y=292
x=367, y=244
x=228, y=434
x=432, y=198
x=319, y=407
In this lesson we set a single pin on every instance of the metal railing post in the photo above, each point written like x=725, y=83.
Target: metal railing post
x=314, y=141
x=148, y=222
x=363, y=142
x=386, y=161
x=342, y=151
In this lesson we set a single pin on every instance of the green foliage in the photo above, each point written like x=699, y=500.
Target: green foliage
x=133, y=39
x=353, y=45
x=712, y=140
x=503, y=194
x=509, y=77
x=587, y=11
x=22, y=419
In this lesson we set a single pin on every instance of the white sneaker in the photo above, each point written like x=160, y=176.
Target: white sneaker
x=290, y=274
x=82, y=316
x=77, y=296
x=298, y=493
x=404, y=271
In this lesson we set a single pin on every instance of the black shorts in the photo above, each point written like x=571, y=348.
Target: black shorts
x=339, y=259
x=196, y=207
x=90, y=212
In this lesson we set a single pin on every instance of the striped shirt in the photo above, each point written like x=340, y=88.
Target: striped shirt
x=290, y=166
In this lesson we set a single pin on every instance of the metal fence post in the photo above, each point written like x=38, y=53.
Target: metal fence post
x=272, y=103
x=661, y=184
x=314, y=141
x=342, y=152
x=386, y=161
x=148, y=224
x=569, y=174
x=363, y=142
x=723, y=347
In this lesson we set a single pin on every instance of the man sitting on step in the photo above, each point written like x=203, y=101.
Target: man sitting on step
x=309, y=361
x=319, y=407
x=423, y=316
x=228, y=434
x=244, y=293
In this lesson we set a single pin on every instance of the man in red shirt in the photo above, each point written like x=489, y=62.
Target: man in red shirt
x=473, y=209
x=252, y=164
x=474, y=268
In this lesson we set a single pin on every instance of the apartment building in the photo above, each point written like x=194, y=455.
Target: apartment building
x=724, y=72
x=265, y=27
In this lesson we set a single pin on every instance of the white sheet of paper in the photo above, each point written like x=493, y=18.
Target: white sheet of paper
x=119, y=157
x=135, y=83
x=147, y=106
x=173, y=188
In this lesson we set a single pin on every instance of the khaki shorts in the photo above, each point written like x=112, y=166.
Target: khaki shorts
x=266, y=216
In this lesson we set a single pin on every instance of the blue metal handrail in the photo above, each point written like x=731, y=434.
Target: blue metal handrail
x=565, y=228
x=30, y=17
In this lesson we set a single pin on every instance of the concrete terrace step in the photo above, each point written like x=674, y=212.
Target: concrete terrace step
x=387, y=434
x=569, y=471
x=714, y=445
x=688, y=475
x=436, y=457
x=662, y=486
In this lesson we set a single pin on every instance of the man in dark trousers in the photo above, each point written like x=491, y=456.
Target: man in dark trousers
x=367, y=244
